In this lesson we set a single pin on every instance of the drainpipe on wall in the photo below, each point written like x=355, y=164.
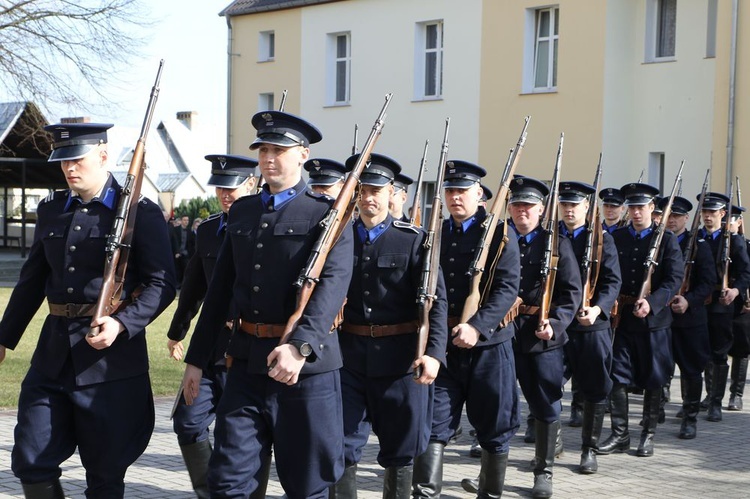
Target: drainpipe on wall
x=229, y=84
x=732, y=79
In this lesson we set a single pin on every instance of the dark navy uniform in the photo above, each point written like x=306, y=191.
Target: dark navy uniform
x=740, y=348
x=270, y=238
x=99, y=401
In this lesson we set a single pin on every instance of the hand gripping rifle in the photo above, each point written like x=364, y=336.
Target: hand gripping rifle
x=416, y=206
x=477, y=267
x=653, y=251
x=589, y=264
x=692, y=247
x=431, y=256
x=551, y=250
x=118, y=243
x=333, y=224
x=726, y=245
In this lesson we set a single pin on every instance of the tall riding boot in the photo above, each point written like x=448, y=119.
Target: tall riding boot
x=397, y=482
x=428, y=472
x=691, y=400
x=663, y=399
x=492, y=475
x=737, y=387
x=346, y=487
x=196, y=458
x=718, y=387
x=546, y=437
x=576, y=405
x=619, y=440
x=707, y=374
x=593, y=418
x=651, y=399
x=530, y=435
x=260, y=490
x=43, y=490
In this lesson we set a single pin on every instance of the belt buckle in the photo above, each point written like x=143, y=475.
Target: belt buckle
x=372, y=331
x=258, y=325
x=69, y=310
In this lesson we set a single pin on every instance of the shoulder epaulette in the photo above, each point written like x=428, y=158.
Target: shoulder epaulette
x=211, y=217
x=406, y=225
x=52, y=196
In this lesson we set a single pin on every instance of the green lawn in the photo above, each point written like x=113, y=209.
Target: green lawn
x=166, y=373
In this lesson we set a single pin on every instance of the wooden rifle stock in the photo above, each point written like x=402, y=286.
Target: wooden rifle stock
x=118, y=242
x=551, y=250
x=726, y=242
x=431, y=256
x=477, y=267
x=589, y=264
x=692, y=247
x=741, y=231
x=416, y=207
x=653, y=251
x=333, y=224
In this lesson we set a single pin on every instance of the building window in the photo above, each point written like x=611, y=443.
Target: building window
x=428, y=197
x=661, y=23
x=711, y=28
x=656, y=170
x=265, y=102
x=429, y=61
x=339, y=69
x=267, y=46
x=545, y=48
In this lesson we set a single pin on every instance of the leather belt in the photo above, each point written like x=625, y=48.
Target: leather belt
x=528, y=310
x=263, y=330
x=375, y=331
x=76, y=310
x=626, y=300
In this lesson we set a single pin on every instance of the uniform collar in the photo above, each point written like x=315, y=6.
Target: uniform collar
x=466, y=224
x=528, y=237
x=370, y=235
x=565, y=232
x=642, y=234
x=609, y=228
x=710, y=235
x=274, y=202
x=107, y=196
x=222, y=223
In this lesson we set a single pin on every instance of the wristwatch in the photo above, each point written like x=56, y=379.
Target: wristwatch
x=303, y=347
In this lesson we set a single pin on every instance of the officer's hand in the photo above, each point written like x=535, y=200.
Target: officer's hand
x=728, y=295
x=285, y=363
x=191, y=383
x=679, y=304
x=641, y=308
x=176, y=349
x=109, y=329
x=430, y=367
x=2, y=354
x=587, y=315
x=465, y=335
x=545, y=332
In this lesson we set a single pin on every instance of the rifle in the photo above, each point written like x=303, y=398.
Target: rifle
x=416, y=207
x=117, y=247
x=741, y=231
x=594, y=237
x=282, y=104
x=626, y=218
x=692, y=248
x=651, y=259
x=477, y=267
x=333, y=224
x=551, y=255
x=726, y=244
x=431, y=255
x=356, y=136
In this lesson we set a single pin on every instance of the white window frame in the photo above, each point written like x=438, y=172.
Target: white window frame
x=266, y=46
x=266, y=101
x=533, y=39
x=334, y=62
x=711, y=28
x=655, y=176
x=653, y=32
x=421, y=52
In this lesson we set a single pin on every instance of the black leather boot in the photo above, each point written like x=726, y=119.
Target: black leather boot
x=576, y=405
x=346, y=487
x=530, y=435
x=196, y=458
x=43, y=490
x=718, y=387
x=546, y=438
x=619, y=440
x=691, y=397
x=397, y=482
x=593, y=418
x=492, y=475
x=707, y=373
x=737, y=387
x=651, y=401
x=427, y=480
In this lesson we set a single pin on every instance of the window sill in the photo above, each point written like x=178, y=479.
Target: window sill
x=427, y=99
x=535, y=91
x=659, y=60
x=261, y=61
x=337, y=104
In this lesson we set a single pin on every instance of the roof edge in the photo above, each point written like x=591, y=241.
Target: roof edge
x=234, y=9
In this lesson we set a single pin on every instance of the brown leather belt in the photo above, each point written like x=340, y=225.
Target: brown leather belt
x=263, y=330
x=77, y=310
x=528, y=310
x=378, y=331
x=626, y=300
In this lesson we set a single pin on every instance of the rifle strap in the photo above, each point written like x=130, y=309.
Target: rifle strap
x=599, y=238
x=493, y=265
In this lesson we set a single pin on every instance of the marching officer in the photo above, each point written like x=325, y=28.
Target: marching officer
x=740, y=329
x=480, y=370
x=589, y=349
x=689, y=320
x=233, y=177
x=721, y=310
x=326, y=176
x=612, y=208
x=283, y=396
x=378, y=340
x=538, y=348
x=642, y=348
x=400, y=192
x=89, y=393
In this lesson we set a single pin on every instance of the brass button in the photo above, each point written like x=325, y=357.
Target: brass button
x=264, y=225
x=77, y=228
x=259, y=245
x=69, y=290
x=71, y=269
x=256, y=288
x=256, y=266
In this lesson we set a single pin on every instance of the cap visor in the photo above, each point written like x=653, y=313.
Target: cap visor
x=459, y=183
x=274, y=139
x=571, y=199
x=378, y=180
x=638, y=201
x=525, y=198
x=323, y=180
x=226, y=181
x=71, y=152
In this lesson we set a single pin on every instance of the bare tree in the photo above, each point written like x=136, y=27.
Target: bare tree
x=57, y=51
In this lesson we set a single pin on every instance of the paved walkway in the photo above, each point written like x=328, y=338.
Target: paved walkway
x=716, y=464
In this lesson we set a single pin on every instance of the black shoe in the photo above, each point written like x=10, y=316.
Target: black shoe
x=470, y=485
x=646, y=447
x=714, y=412
x=614, y=444
x=542, y=486
x=588, y=465
x=688, y=429
x=735, y=403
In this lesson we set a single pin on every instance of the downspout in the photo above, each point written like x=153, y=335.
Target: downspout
x=229, y=84
x=732, y=81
